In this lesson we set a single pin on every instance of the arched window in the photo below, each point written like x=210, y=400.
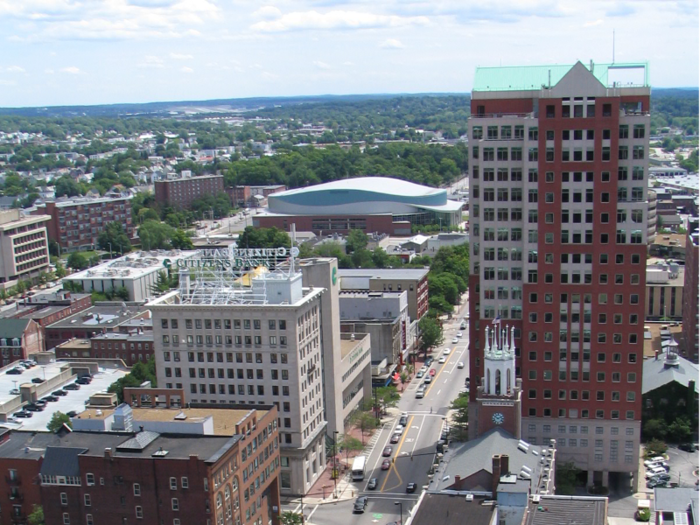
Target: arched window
x=488, y=381
x=498, y=382
x=219, y=500
x=235, y=483
x=509, y=385
x=227, y=492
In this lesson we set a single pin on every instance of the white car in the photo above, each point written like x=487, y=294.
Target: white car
x=446, y=351
x=442, y=359
x=651, y=461
x=654, y=471
x=459, y=334
x=460, y=365
x=455, y=341
x=399, y=429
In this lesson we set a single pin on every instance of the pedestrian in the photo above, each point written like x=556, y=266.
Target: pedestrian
x=431, y=410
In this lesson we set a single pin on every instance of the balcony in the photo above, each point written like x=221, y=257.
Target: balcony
x=13, y=480
x=16, y=498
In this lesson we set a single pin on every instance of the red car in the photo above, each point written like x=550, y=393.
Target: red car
x=387, y=451
x=386, y=464
x=395, y=438
x=432, y=371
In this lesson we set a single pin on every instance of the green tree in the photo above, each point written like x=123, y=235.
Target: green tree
x=387, y=397
x=181, y=241
x=263, y=238
x=431, y=333
x=680, y=430
x=58, y=419
x=291, y=518
x=140, y=372
x=36, y=517
x=155, y=235
x=655, y=429
x=54, y=248
x=349, y=444
x=654, y=448
x=60, y=270
x=567, y=478
x=113, y=238
x=461, y=419
x=356, y=240
x=364, y=421
x=78, y=261
x=164, y=282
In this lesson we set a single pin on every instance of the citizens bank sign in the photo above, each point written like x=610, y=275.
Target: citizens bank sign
x=234, y=258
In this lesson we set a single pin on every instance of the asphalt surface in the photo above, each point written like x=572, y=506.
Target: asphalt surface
x=413, y=455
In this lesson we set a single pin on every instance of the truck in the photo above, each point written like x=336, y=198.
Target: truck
x=358, y=468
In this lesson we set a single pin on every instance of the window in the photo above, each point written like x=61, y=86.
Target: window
x=173, y=483
x=139, y=512
x=90, y=479
x=88, y=499
x=175, y=504
x=66, y=518
x=64, y=498
x=137, y=489
x=89, y=520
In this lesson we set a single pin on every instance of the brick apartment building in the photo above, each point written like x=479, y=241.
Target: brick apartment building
x=77, y=222
x=559, y=226
x=132, y=348
x=250, y=196
x=690, y=293
x=24, y=248
x=19, y=338
x=183, y=191
x=146, y=476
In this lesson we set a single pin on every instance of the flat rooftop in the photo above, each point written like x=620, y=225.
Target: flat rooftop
x=670, y=239
x=133, y=265
x=101, y=315
x=347, y=346
x=446, y=509
x=652, y=337
x=397, y=273
x=225, y=419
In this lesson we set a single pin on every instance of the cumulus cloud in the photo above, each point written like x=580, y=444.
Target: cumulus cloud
x=152, y=61
x=49, y=71
x=186, y=69
x=593, y=23
x=267, y=12
x=304, y=20
x=71, y=70
x=321, y=65
x=15, y=69
x=180, y=56
x=391, y=43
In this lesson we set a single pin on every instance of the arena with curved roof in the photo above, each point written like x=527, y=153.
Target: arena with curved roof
x=373, y=204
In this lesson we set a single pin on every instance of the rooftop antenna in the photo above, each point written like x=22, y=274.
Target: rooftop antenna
x=294, y=243
x=613, y=46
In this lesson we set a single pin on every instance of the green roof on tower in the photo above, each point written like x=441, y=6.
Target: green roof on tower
x=526, y=78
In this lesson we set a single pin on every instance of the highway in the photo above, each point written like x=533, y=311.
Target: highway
x=413, y=455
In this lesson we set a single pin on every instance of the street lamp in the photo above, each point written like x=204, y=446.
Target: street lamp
x=400, y=504
x=110, y=249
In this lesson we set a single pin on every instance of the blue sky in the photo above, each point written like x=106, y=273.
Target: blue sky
x=63, y=52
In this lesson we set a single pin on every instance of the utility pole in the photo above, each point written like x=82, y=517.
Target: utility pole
x=335, y=472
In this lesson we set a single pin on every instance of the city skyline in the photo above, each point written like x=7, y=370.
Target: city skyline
x=69, y=52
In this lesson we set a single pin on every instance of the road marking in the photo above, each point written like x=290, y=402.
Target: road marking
x=379, y=433
x=438, y=392
x=312, y=513
x=398, y=448
x=416, y=442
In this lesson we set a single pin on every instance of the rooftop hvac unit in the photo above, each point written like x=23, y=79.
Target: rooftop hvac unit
x=469, y=497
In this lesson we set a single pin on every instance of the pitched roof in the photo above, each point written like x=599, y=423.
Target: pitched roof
x=13, y=328
x=659, y=372
x=674, y=500
x=61, y=461
x=567, y=510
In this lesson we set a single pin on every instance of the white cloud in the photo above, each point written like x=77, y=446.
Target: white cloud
x=348, y=63
x=4, y=82
x=49, y=71
x=180, y=56
x=152, y=61
x=593, y=23
x=71, y=70
x=15, y=69
x=321, y=65
x=391, y=43
x=304, y=20
x=186, y=69
x=267, y=12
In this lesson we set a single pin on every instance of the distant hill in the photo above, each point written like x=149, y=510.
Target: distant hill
x=185, y=107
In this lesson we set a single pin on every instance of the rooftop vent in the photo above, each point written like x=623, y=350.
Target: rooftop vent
x=160, y=453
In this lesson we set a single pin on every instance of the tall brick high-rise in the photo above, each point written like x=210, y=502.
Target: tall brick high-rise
x=559, y=228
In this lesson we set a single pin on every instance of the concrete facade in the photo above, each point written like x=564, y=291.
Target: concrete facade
x=24, y=247
x=691, y=326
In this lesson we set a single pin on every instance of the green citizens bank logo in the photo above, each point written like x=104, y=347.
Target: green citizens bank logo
x=334, y=275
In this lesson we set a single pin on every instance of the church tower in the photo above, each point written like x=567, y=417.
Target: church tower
x=498, y=397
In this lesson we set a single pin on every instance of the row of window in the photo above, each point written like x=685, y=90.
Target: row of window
x=574, y=336
x=229, y=373
x=617, y=358
x=218, y=357
x=516, y=175
x=227, y=340
x=582, y=414
x=227, y=324
x=573, y=395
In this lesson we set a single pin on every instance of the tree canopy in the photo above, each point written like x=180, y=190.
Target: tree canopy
x=113, y=238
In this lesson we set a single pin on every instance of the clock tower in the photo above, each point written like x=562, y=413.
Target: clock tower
x=498, y=396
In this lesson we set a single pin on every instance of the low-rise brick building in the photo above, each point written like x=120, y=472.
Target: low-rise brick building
x=181, y=192
x=131, y=348
x=19, y=338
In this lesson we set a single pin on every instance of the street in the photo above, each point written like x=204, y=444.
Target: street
x=413, y=455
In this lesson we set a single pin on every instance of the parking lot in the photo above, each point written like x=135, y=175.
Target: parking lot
x=73, y=401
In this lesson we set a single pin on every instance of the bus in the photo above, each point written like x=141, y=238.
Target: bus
x=358, y=468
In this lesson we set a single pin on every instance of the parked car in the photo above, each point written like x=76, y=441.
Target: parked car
x=14, y=392
x=653, y=460
x=420, y=394
x=459, y=334
x=662, y=477
x=386, y=464
x=654, y=471
x=653, y=483
x=463, y=326
x=403, y=420
x=72, y=386
x=372, y=484
x=23, y=414
x=72, y=413
x=442, y=359
x=460, y=365
x=411, y=488
x=395, y=438
x=40, y=403
x=59, y=393
x=387, y=451
x=31, y=407
x=432, y=372
x=446, y=351
x=360, y=504
x=661, y=464
x=419, y=374
x=455, y=340
x=429, y=361
x=38, y=380
x=427, y=380
x=50, y=398
x=687, y=447
x=14, y=371
x=83, y=381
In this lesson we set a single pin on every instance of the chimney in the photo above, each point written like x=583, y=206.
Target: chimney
x=108, y=453
x=656, y=355
x=496, y=475
x=457, y=482
x=505, y=464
